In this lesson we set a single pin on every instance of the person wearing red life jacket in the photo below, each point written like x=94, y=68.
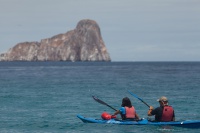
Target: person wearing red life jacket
x=127, y=111
x=164, y=113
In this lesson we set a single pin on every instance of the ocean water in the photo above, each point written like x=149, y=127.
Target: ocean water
x=45, y=97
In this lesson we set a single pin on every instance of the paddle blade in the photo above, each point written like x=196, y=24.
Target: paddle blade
x=135, y=95
x=98, y=100
x=102, y=102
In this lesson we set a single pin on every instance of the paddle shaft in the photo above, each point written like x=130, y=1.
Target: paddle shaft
x=138, y=98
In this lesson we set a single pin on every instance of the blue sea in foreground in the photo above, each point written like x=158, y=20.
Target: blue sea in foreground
x=45, y=97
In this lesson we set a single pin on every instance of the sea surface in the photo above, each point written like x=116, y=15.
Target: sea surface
x=45, y=97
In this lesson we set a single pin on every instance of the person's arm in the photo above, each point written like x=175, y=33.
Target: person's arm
x=137, y=117
x=150, y=110
x=120, y=111
x=117, y=112
x=173, y=119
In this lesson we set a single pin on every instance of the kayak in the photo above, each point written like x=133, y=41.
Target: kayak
x=186, y=123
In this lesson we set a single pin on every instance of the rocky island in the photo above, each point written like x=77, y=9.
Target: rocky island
x=84, y=43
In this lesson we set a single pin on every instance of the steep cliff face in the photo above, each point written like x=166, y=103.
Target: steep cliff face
x=84, y=43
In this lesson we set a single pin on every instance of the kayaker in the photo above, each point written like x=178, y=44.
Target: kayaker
x=164, y=112
x=127, y=111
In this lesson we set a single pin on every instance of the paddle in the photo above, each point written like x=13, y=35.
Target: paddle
x=102, y=102
x=138, y=98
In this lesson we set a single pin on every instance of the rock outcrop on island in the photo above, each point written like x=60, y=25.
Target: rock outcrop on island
x=84, y=43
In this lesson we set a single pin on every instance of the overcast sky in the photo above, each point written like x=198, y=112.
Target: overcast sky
x=133, y=30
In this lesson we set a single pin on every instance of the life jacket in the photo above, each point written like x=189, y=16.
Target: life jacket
x=167, y=114
x=130, y=112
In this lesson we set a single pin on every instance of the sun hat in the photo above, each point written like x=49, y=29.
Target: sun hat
x=163, y=98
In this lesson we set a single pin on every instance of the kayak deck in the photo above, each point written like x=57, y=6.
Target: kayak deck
x=186, y=123
x=112, y=121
